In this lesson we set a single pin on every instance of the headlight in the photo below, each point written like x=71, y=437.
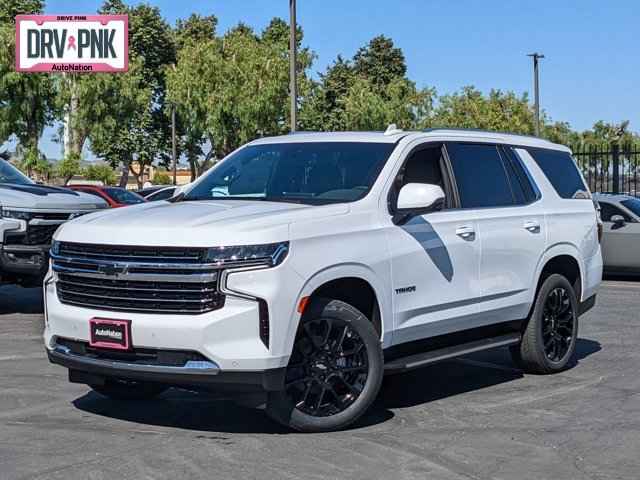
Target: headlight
x=15, y=214
x=270, y=255
x=55, y=247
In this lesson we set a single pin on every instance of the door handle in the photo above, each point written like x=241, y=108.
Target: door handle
x=466, y=232
x=532, y=226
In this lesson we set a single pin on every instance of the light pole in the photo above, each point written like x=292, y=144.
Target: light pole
x=536, y=88
x=292, y=63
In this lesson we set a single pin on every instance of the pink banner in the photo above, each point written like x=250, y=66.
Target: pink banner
x=72, y=43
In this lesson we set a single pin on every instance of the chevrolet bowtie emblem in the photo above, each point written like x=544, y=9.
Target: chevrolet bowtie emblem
x=113, y=270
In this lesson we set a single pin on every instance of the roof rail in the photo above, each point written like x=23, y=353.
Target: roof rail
x=482, y=130
x=302, y=132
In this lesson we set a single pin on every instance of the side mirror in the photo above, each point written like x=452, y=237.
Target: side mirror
x=618, y=221
x=416, y=199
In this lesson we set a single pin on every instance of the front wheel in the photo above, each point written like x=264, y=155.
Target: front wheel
x=335, y=370
x=549, y=340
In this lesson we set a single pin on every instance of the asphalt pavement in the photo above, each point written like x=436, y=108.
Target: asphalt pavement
x=477, y=417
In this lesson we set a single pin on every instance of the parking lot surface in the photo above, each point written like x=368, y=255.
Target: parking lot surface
x=473, y=418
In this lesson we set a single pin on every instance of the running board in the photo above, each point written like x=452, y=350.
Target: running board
x=422, y=359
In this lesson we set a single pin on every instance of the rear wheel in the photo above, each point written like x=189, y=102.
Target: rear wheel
x=549, y=341
x=335, y=370
x=118, y=389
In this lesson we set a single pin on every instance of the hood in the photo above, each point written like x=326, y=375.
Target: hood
x=202, y=223
x=42, y=197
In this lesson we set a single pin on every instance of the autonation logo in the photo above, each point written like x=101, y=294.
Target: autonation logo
x=72, y=43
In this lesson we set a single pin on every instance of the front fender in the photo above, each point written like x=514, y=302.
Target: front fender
x=350, y=270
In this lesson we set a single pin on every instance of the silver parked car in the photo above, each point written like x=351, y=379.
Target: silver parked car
x=621, y=242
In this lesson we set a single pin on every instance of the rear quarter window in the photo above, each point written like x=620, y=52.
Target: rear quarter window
x=562, y=172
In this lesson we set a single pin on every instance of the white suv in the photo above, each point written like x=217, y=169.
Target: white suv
x=305, y=267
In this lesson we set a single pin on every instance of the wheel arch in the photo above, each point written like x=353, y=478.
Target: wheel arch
x=355, y=284
x=564, y=259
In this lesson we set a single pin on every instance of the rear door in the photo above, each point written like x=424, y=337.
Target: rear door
x=511, y=226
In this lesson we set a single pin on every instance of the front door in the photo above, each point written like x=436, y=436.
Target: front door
x=435, y=258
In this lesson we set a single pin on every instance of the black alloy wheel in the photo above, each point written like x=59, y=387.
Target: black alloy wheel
x=335, y=369
x=551, y=331
x=557, y=324
x=328, y=368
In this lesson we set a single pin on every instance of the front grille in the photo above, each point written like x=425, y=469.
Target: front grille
x=136, y=279
x=35, y=235
x=132, y=254
x=51, y=215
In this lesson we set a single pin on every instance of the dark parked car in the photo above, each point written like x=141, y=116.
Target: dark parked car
x=145, y=192
x=162, y=194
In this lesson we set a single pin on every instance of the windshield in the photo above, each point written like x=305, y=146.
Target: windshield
x=632, y=204
x=313, y=173
x=121, y=195
x=10, y=174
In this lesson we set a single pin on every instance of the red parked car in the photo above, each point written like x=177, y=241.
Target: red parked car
x=114, y=196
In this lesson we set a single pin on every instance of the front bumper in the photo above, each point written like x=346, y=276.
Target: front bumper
x=193, y=374
x=229, y=336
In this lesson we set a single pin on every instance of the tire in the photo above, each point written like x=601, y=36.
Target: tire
x=549, y=341
x=335, y=370
x=117, y=389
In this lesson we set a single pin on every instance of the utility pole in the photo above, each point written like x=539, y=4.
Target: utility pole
x=173, y=142
x=536, y=88
x=292, y=63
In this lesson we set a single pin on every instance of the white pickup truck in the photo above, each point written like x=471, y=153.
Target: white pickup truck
x=29, y=216
x=307, y=266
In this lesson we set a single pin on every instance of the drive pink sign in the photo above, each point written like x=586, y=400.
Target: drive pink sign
x=72, y=43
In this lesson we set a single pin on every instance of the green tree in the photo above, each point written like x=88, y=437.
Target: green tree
x=380, y=61
x=196, y=28
x=123, y=115
x=101, y=172
x=233, y=89
x=68, y=167
x=162, y=178
x=43, y=169
x=191, y=135
x=10, y=8
x=367, y=107
x=324, y=108
x=369, y=92
x=498, y=111
x=26, y=101
x=30, y=161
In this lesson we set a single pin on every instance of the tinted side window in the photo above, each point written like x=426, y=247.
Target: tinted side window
x=524, y=179
x=607, y=211
x=561, y=171
x=162, y=194
x=90, y=192
x=422, y=166
x=518, y=193
x=480, y=175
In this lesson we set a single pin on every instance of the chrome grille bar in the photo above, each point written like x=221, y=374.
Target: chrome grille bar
x=125, y=281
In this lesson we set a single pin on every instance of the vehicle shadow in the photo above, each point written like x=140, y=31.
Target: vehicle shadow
x=209, y=413
x=459, y=376
x=619, y=277
x=14, y=299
